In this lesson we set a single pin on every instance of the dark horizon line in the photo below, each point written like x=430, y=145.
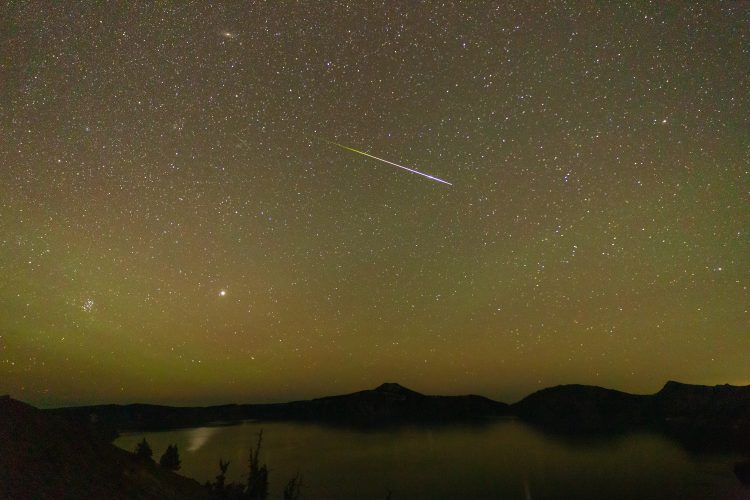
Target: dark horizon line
x=668, y=382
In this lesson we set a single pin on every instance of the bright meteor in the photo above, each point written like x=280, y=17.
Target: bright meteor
x=389, y=162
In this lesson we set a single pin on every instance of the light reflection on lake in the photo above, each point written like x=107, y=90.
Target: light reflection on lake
x=199, y=436
x=503, y=459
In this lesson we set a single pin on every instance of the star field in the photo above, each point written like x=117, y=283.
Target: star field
x=175, y=226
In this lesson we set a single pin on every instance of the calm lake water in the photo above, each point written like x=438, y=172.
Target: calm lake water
x=503, y=459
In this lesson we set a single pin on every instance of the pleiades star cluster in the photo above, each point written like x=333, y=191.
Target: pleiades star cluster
x=179, y=225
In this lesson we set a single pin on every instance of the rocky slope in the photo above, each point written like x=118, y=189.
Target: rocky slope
x=55, y=457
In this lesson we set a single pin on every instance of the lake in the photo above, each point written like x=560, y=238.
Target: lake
x=502, y=459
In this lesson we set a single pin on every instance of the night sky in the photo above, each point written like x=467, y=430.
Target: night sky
x=177, y=226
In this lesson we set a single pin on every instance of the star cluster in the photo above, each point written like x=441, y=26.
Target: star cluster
x=175, y=225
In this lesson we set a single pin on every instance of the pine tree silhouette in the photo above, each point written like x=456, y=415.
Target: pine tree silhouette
x=143, y=450
x=221, y=479
x=257, y=480
x=171, y=458
x=292, y=488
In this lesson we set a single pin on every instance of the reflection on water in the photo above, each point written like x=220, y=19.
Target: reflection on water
x=505, y=459
x=198, y=437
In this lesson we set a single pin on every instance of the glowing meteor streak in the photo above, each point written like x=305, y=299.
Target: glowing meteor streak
x=389, y=162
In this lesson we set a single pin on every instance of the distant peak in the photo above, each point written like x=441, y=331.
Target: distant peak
x=394, y=388
x=8, y=404
x=673, y=383
x=672, y=386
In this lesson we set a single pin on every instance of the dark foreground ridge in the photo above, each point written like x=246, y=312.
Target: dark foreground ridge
x=44, y=455
x=700, y=416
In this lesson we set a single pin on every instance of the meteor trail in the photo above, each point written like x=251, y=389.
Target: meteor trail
x=389, y=162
